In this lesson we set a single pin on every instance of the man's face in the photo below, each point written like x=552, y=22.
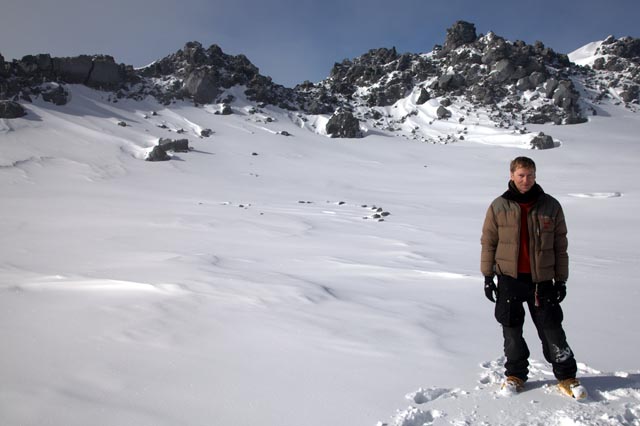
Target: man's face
x=524, y=179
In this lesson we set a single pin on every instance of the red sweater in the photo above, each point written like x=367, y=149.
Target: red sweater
x=524, y=261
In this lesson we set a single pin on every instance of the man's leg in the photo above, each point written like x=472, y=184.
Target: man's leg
x=559, y=353
x=516, y=352
x=547, y=318
x=510, y=314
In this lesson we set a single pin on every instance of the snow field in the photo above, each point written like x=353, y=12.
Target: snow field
x=248, y=282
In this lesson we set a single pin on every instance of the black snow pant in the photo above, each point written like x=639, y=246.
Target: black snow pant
x=547, y=316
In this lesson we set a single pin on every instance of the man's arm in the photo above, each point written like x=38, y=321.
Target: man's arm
x=560, y=246
x=489, y=242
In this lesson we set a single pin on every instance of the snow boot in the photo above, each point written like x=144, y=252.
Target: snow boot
x=512, y=385
x=572, y=388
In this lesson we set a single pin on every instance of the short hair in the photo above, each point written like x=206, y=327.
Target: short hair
x=524, y=162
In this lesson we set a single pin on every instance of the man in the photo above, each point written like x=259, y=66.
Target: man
x=524, y=243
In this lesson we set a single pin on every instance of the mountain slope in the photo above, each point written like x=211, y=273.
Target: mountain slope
x=430, y=97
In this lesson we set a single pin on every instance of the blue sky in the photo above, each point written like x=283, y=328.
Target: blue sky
x=295, y=40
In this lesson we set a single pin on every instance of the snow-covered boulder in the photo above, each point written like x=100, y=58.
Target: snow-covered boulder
x=542, y=141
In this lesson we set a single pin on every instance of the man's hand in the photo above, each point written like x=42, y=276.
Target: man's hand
x=490, y=289
x=561, y=290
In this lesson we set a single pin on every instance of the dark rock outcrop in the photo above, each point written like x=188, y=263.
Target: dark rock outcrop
x=443, y=113
x=11, y=109
x=343, y=125
x=2, y=67
x=459, y=34
x=630, y=93
x=158, y=153
x=201, y=86
x=74, y=70
x=389, y=75
x=106, y=74
x=624, y=47
x=56, y=94
x=424, y=96
x=34, y=75
x=226, y=109
x=176, y=145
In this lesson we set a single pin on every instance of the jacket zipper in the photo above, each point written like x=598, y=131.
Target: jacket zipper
x=533, y=243
x=532, y=254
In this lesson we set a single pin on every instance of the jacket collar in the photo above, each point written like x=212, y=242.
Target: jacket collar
x=513, y=194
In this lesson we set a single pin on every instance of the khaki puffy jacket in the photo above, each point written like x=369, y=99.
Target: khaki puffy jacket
x=547, y=240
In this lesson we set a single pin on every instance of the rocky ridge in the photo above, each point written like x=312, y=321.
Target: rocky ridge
x=484, y=71
x=46, y=76
x=615, y=73
x=511, y=83
x=202, y=75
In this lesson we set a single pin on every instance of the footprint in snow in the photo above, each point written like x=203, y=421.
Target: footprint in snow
x=614, y=399
x=422, y=396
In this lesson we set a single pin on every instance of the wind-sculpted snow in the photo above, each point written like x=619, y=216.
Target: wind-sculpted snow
x=597, y=195
x=273, y=280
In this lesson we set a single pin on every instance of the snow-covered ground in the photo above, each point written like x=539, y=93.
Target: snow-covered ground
x=587, y=54
x=249, y=282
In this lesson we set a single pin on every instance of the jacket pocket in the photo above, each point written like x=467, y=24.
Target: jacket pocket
x=546, y=232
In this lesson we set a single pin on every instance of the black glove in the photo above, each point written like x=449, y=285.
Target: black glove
x=561, y=290
x=490, y=289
